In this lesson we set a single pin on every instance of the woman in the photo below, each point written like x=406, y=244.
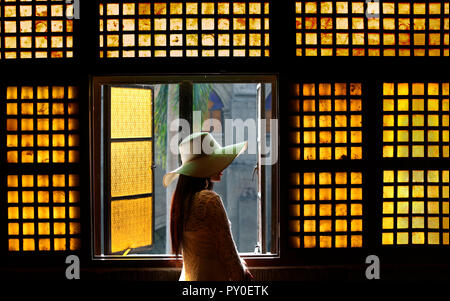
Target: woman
x=199, y=226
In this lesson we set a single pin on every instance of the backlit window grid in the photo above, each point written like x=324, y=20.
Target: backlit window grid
x=43, y=212
x=415, y=207
x=327, y=124
x=326, y=210
x=347, y=28
x=416, y=120
x=184, y=29
x=42, y=124
x=36, y=29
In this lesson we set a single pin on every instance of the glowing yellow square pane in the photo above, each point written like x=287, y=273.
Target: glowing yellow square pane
x=388, y=176
x=325, y=153
x=13, y=197
x=44, y=244
x=325, y=178
x=131, y=112
x=13, y=212
x=341, y=209
x=356, y=193
x=59, y=244
x=325, y=210
x=341, y=225
x=325, y=194
x=27, y=196
x=131, y=174
x=43, y=197
x=402, y=207
x=309, y=178
x=28, y=212
x=325, y=241
x=388, y=238
x=325, y=226
x=131, y=230
x=309, y=210
x=388, y=192
x=28, y=244
x=433, y=222
x=433, y=238
x=309, y=194
x=309, y=226
x=418, y=238
x=402, y=151
x=356, y=225
x=356, y=209
x=356, y=241
x=388, y=223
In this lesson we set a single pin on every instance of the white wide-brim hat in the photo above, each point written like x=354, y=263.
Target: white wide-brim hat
x=202, y=157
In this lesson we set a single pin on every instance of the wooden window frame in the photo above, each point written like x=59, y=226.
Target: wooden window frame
x=97, y=139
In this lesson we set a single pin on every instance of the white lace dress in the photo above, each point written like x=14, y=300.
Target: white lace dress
x=209, y=251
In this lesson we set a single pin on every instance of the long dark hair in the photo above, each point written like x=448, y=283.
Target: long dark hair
x=181, y=203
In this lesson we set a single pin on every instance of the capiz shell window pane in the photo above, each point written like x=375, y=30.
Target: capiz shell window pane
x=36, y=29
x=131, y=223
x=180, y=29
x=131, y=168
x=131, y=112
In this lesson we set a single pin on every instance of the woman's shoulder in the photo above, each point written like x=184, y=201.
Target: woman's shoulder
x=205, y=204
x=207, y=198
x=207, y=195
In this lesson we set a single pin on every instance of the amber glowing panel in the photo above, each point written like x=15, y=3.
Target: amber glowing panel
x=42, y=124
x=372, y=28
x=184, y=29
x=416, y=120
x=131, y=223
x=131, y=163
x=43, y=212
x=415, y=207
x=326, y=210
x=326, y=121
x=36, y=29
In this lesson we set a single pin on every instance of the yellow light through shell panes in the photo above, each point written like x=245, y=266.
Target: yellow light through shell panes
x=43, y=212
x=131, y=112
x=374, y=28
x=326, y=123
x=415, y=207
x=131, y=174
x=36, y=29
x=131, y=223
x=42, y=124
x=326, y=210
x=416, y=120
x=131, y=168
x=184, y=29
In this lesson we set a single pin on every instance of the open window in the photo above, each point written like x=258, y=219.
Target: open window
x=137, y=123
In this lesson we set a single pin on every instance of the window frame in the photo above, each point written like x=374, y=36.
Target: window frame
x=97, y=119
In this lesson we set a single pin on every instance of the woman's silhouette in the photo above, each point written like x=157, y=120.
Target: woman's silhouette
x=199, y=226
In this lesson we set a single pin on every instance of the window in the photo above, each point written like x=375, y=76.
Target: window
x=415, y=128
x=36, y=29
x=184, y=29
x=131, y=208
x=415, y=207
x=416, y=120
x=372, y=28
x=327, y=211
x=327, y=120
x=42, y=124
x=43, y=212
x=42, y=155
